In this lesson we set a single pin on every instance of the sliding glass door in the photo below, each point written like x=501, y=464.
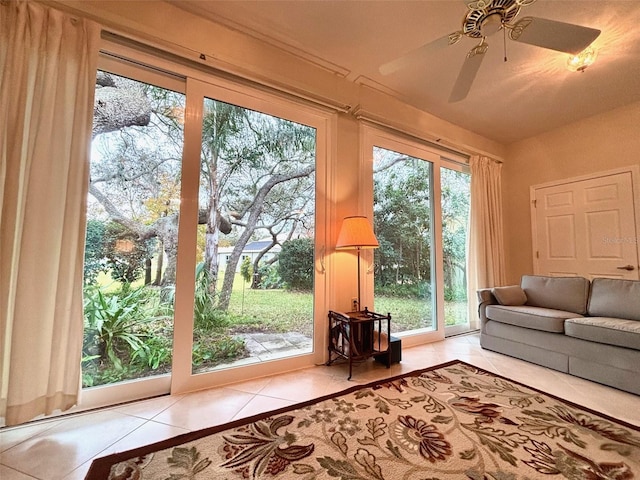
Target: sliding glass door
x=200, y=263
x=421, y=215
x=257, y=204
x=131, y=232
x=248, y=296
x=404, y=263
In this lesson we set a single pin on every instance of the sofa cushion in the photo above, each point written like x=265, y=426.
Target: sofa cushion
x=537, y=318
x=557, y=293
x=511, y=295
x=611, y=297
x=612, y=331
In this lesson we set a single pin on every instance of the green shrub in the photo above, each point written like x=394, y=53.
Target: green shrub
x=457, y=294
x=157, y=352
x=295, y=264
x=94, y=251
x=211, y=351
x=205, y=315
x=125, y=265
x=405, y=290
x=129, y=333
x=269, y=277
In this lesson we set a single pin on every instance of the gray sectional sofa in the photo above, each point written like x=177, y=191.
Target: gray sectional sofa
x=590, y=329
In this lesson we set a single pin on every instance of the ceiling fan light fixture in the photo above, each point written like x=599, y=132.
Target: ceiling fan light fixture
x=580, y=62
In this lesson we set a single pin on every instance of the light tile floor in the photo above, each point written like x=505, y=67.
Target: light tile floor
x=63, y=447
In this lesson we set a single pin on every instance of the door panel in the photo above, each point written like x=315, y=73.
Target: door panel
x=242, y=308
x=586, y=228
x=254, y=164
x=134, y=189
x=455, y=190
x=404, y=264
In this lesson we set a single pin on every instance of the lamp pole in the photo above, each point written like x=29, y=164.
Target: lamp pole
x=359, y=304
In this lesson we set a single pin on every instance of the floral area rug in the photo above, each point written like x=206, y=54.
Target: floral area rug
x=449, y=421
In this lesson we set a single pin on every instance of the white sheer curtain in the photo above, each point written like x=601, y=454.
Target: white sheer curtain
x=486, y=238
x=47, y=65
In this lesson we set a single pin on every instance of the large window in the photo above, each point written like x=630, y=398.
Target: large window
x=132, y=230
x=201, y=231
x=421, y=216
x=404, y=263
x=257, y=196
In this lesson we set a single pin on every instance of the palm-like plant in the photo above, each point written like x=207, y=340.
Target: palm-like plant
x=114, y=320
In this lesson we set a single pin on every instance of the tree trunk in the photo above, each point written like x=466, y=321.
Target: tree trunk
x=167, y=229
x=147, y=271
x=212, y=235
x=158, y=279
x=257, y=280
x=211, y=257
x=254, y=214
x=230, y=272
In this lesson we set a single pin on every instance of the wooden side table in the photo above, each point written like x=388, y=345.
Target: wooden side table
x=356, y=336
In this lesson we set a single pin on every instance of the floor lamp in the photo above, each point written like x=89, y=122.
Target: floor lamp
x=356, y=233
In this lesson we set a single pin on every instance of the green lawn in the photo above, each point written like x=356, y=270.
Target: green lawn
x=271, y=310
x=411, y=314
x=283, y=311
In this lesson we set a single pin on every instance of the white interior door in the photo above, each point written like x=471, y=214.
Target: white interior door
x=587, y=227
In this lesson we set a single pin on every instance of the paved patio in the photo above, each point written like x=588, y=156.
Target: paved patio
x=270, y=346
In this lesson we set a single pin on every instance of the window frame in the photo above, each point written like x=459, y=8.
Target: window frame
x=374, y=136
x=145, y=64
x=471, y=325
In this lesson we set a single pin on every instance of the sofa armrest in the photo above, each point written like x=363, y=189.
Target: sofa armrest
x=485, y=297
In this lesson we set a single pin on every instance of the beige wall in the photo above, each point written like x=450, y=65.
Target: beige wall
x=603, y=142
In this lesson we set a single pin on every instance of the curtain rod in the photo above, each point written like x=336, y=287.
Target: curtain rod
x=192, y=58
x=434, y=142
x=430, y=139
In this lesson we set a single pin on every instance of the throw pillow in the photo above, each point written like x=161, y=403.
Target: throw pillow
x=511, y=295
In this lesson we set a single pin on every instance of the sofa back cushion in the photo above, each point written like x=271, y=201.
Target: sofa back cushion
x=558, y=293
x=611, y=297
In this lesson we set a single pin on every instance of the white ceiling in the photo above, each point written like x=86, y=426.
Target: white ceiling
x=531, y=93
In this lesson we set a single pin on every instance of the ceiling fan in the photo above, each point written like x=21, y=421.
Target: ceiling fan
x=485, y=18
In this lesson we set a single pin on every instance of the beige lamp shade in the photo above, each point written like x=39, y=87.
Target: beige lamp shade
x=356, y=233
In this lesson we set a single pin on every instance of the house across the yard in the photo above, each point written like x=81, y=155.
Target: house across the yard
x=251, y=250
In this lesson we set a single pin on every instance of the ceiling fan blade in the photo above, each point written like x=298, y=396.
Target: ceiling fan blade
x=417, y=55
x=559, y=36
x=468, y=73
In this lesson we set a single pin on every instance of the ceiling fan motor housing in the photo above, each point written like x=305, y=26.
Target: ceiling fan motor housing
x=485, y=18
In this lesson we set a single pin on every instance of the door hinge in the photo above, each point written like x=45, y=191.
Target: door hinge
x=537, y=254
x=535, y=203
